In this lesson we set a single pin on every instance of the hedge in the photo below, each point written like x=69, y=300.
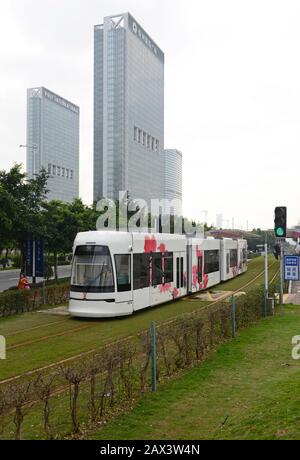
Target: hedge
x=13, y=302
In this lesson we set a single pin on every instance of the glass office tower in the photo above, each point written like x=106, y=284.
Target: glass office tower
x=173, y=177
x=53, y=142
x=128, y=110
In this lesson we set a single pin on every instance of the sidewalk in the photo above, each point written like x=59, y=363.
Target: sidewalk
x=293, y=296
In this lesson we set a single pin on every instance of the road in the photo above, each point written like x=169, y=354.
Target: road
x=9, y=278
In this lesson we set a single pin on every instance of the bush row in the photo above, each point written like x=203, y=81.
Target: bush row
x=13, y=302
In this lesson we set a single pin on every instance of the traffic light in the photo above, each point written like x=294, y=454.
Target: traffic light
x=276, y=251
x=280, y=222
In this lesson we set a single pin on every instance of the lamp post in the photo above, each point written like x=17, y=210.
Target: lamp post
x=33, y=147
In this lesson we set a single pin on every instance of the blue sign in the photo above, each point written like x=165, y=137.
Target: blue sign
x=291, y=268
x=35, y=251
x=29, y=257
x=39, y=258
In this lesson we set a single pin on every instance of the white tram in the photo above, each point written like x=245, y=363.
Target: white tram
x=118, y=273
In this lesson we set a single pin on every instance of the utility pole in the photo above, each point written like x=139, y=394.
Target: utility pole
x=281, y=272
x=32, y=147
x=266, y=275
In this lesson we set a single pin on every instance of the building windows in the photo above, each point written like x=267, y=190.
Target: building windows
x=60, y=171
x=145, y=139
x=152, y=143
x=140, y=136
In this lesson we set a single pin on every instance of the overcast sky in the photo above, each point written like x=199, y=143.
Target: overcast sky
x=232, y=92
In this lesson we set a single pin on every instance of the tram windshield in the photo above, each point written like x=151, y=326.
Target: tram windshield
x=92, y=269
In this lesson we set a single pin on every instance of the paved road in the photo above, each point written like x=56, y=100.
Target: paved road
x=294, y=295
x=10, y=278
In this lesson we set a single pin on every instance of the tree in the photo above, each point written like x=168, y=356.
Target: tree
x=24, y=201
x=62, y=221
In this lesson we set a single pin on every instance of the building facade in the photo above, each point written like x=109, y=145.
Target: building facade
x=53, y=142
x=173, y=177
x=128, y=111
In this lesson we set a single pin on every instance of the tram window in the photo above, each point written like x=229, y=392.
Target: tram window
x=168, y=269
x=157, y=273
x=92, y=269
x=177, y=272
x=199, y=269
x=123, y=272
x=181, y=272
x=211, y=261
x=140, y=271
x=233, y=257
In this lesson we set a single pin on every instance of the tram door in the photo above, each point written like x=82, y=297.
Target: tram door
x=141, y=280
x=179, y=270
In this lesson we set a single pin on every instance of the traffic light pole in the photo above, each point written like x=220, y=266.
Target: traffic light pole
x=266, y=276
x=281, y=273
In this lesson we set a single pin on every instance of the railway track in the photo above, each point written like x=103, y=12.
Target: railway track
x=93, y=350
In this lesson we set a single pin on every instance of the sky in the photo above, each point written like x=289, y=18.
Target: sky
x=232, y=93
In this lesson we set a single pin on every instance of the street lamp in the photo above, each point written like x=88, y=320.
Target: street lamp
x=33, y=147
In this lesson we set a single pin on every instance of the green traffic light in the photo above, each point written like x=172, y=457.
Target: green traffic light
x=279, y=231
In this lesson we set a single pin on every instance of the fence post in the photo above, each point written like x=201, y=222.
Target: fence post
x=44, y=294
x=233, y=315
x=153, y=356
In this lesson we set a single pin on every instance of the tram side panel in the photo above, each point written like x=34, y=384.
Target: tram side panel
x=159, y=269
x=204, y=267
x=229, y=259
x=242, y=256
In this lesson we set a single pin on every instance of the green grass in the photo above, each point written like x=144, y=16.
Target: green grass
x=39, y=339
x=248, y=389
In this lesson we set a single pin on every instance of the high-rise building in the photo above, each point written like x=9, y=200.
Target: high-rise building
x=53, y=142
x=128, y=110
x=173, y=177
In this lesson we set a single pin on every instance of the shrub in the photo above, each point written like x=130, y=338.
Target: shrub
x=16, y=301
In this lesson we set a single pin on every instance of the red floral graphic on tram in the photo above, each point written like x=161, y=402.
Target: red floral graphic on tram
x=203, y=284
x=150, y=244
x=162, y=247
x=175, y=293
x=165, y=287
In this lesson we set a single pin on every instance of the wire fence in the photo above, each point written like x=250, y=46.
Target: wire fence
x=77, y=396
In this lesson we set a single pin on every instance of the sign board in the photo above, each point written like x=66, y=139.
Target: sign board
x=35, y=257
x=29, y=257
x=291, y=268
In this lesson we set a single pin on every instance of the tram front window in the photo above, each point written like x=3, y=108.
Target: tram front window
x=92, y=269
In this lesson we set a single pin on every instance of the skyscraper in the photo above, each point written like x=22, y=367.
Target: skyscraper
x=173, y=177
x=53, y=142
x=128, y=110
